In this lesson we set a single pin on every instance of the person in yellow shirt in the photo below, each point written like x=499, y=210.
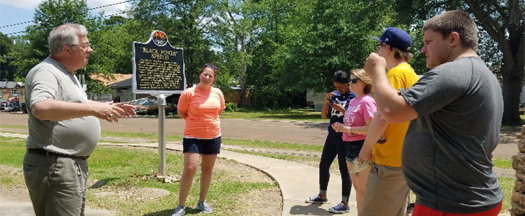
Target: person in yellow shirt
x=386, y=189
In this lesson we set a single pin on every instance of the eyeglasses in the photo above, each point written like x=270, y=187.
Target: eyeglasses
x=354, y=81
x=378, y=46
x=209, y=65
x=84, y=46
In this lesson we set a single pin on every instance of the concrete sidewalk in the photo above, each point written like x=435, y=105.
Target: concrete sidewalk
x=296, y=181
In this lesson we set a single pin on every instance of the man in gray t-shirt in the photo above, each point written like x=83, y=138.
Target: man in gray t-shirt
x=455, y=112
x=64, y=125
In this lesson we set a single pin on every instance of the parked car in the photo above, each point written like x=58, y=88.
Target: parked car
x=151, y=108
x=12, y=107
x=3, y=105
x=138, y=102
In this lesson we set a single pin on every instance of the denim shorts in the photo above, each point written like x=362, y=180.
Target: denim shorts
x=353, y=149
x=202, y=146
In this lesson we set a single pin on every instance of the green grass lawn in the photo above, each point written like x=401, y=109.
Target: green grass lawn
x=306, y=114
x=502, y=163
x=285, y=114
x=117, y=167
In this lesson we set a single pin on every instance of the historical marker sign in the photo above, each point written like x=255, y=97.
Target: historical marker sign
x=158, y=68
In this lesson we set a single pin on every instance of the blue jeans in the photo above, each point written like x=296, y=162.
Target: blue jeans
x=334, y=146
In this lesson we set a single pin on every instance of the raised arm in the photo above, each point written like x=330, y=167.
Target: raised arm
x=390, y=103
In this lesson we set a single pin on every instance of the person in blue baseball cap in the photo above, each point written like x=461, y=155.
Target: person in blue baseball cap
x=396, y=38
x=455, y=113
x=386, y=189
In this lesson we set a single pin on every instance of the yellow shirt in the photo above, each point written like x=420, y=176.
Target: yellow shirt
x=389, y=153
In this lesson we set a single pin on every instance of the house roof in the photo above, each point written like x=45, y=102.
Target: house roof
x=122, y=84
x=10, y=84
x=109, y=79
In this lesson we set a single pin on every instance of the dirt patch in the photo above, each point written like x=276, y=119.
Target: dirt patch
x=243, y=173
x=267, y=202
x=133, y=193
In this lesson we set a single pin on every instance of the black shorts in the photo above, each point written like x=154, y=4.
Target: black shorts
x=353, y=149
x=202, y=146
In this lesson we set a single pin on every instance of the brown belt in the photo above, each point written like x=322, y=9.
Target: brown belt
x=40, y=151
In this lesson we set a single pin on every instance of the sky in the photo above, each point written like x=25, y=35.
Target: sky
x=18, y=11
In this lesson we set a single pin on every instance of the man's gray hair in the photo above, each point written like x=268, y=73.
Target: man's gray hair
x=66, y=34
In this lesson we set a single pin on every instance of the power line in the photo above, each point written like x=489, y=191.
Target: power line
x=21, y=32
x=105, y=16
x=103, y=6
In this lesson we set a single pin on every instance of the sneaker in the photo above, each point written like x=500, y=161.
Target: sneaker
x=179, y=211
x=204, y=207
x=410, y=207
x=316, y=200
x=339, y=208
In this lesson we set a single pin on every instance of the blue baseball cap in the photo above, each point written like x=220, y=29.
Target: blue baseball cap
x=396, y=38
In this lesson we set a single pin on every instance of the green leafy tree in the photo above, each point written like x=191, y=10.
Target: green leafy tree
x=504, y=22
x=307, y=41
x=232, y=31
x=5, y=47
x=184, y=21
x=48, y=15
x=15, y=58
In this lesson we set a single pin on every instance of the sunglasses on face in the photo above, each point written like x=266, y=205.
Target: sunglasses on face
x=354, y=81
x=209, y=65
x=378, y=46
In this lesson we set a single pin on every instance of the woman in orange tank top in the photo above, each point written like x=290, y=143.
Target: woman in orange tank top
x=201, y=107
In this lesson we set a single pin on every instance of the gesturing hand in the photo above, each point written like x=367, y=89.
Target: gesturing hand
x=107, y=111
x=128, y=109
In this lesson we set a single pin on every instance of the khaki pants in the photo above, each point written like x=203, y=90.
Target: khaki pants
x=57, y=185
x=386, y=192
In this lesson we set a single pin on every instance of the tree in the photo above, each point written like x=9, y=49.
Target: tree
x=5, y=47
x=184, y=22
x=15, y=57
x=232, y=31
x=504, y=22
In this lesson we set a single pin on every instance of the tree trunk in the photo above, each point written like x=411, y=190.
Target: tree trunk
x=243, y=73
x=512, y=82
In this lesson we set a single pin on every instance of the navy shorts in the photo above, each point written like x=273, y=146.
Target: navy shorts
x=202, y=146
x=353, y=149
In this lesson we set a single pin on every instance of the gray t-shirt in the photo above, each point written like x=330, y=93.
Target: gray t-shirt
x=78, y=136
x=447, y=153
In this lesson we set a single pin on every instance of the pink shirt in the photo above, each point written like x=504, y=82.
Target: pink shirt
x=202, y=112
x=359, y=110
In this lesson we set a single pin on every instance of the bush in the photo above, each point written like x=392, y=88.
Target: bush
x=231, y=107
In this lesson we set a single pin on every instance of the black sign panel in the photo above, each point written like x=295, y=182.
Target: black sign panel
x=157, y=66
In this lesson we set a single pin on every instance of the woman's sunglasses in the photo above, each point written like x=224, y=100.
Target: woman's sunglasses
x=354, y=81
x=209, y=65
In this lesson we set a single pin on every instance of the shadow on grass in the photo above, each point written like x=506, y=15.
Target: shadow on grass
x=168, y=212
x=102, y=182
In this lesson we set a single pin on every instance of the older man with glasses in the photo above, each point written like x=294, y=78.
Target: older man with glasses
x=64, y=126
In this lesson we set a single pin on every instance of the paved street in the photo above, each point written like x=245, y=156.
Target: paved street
x=267, y=130
x=312, y=133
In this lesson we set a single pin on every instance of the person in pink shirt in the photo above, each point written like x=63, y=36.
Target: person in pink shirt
x=201, y=107
x=358, y=117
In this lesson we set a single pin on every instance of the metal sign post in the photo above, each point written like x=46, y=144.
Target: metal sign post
x=161, y=103
x=158, y=70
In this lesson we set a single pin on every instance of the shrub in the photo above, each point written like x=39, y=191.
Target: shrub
x=231, y=107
